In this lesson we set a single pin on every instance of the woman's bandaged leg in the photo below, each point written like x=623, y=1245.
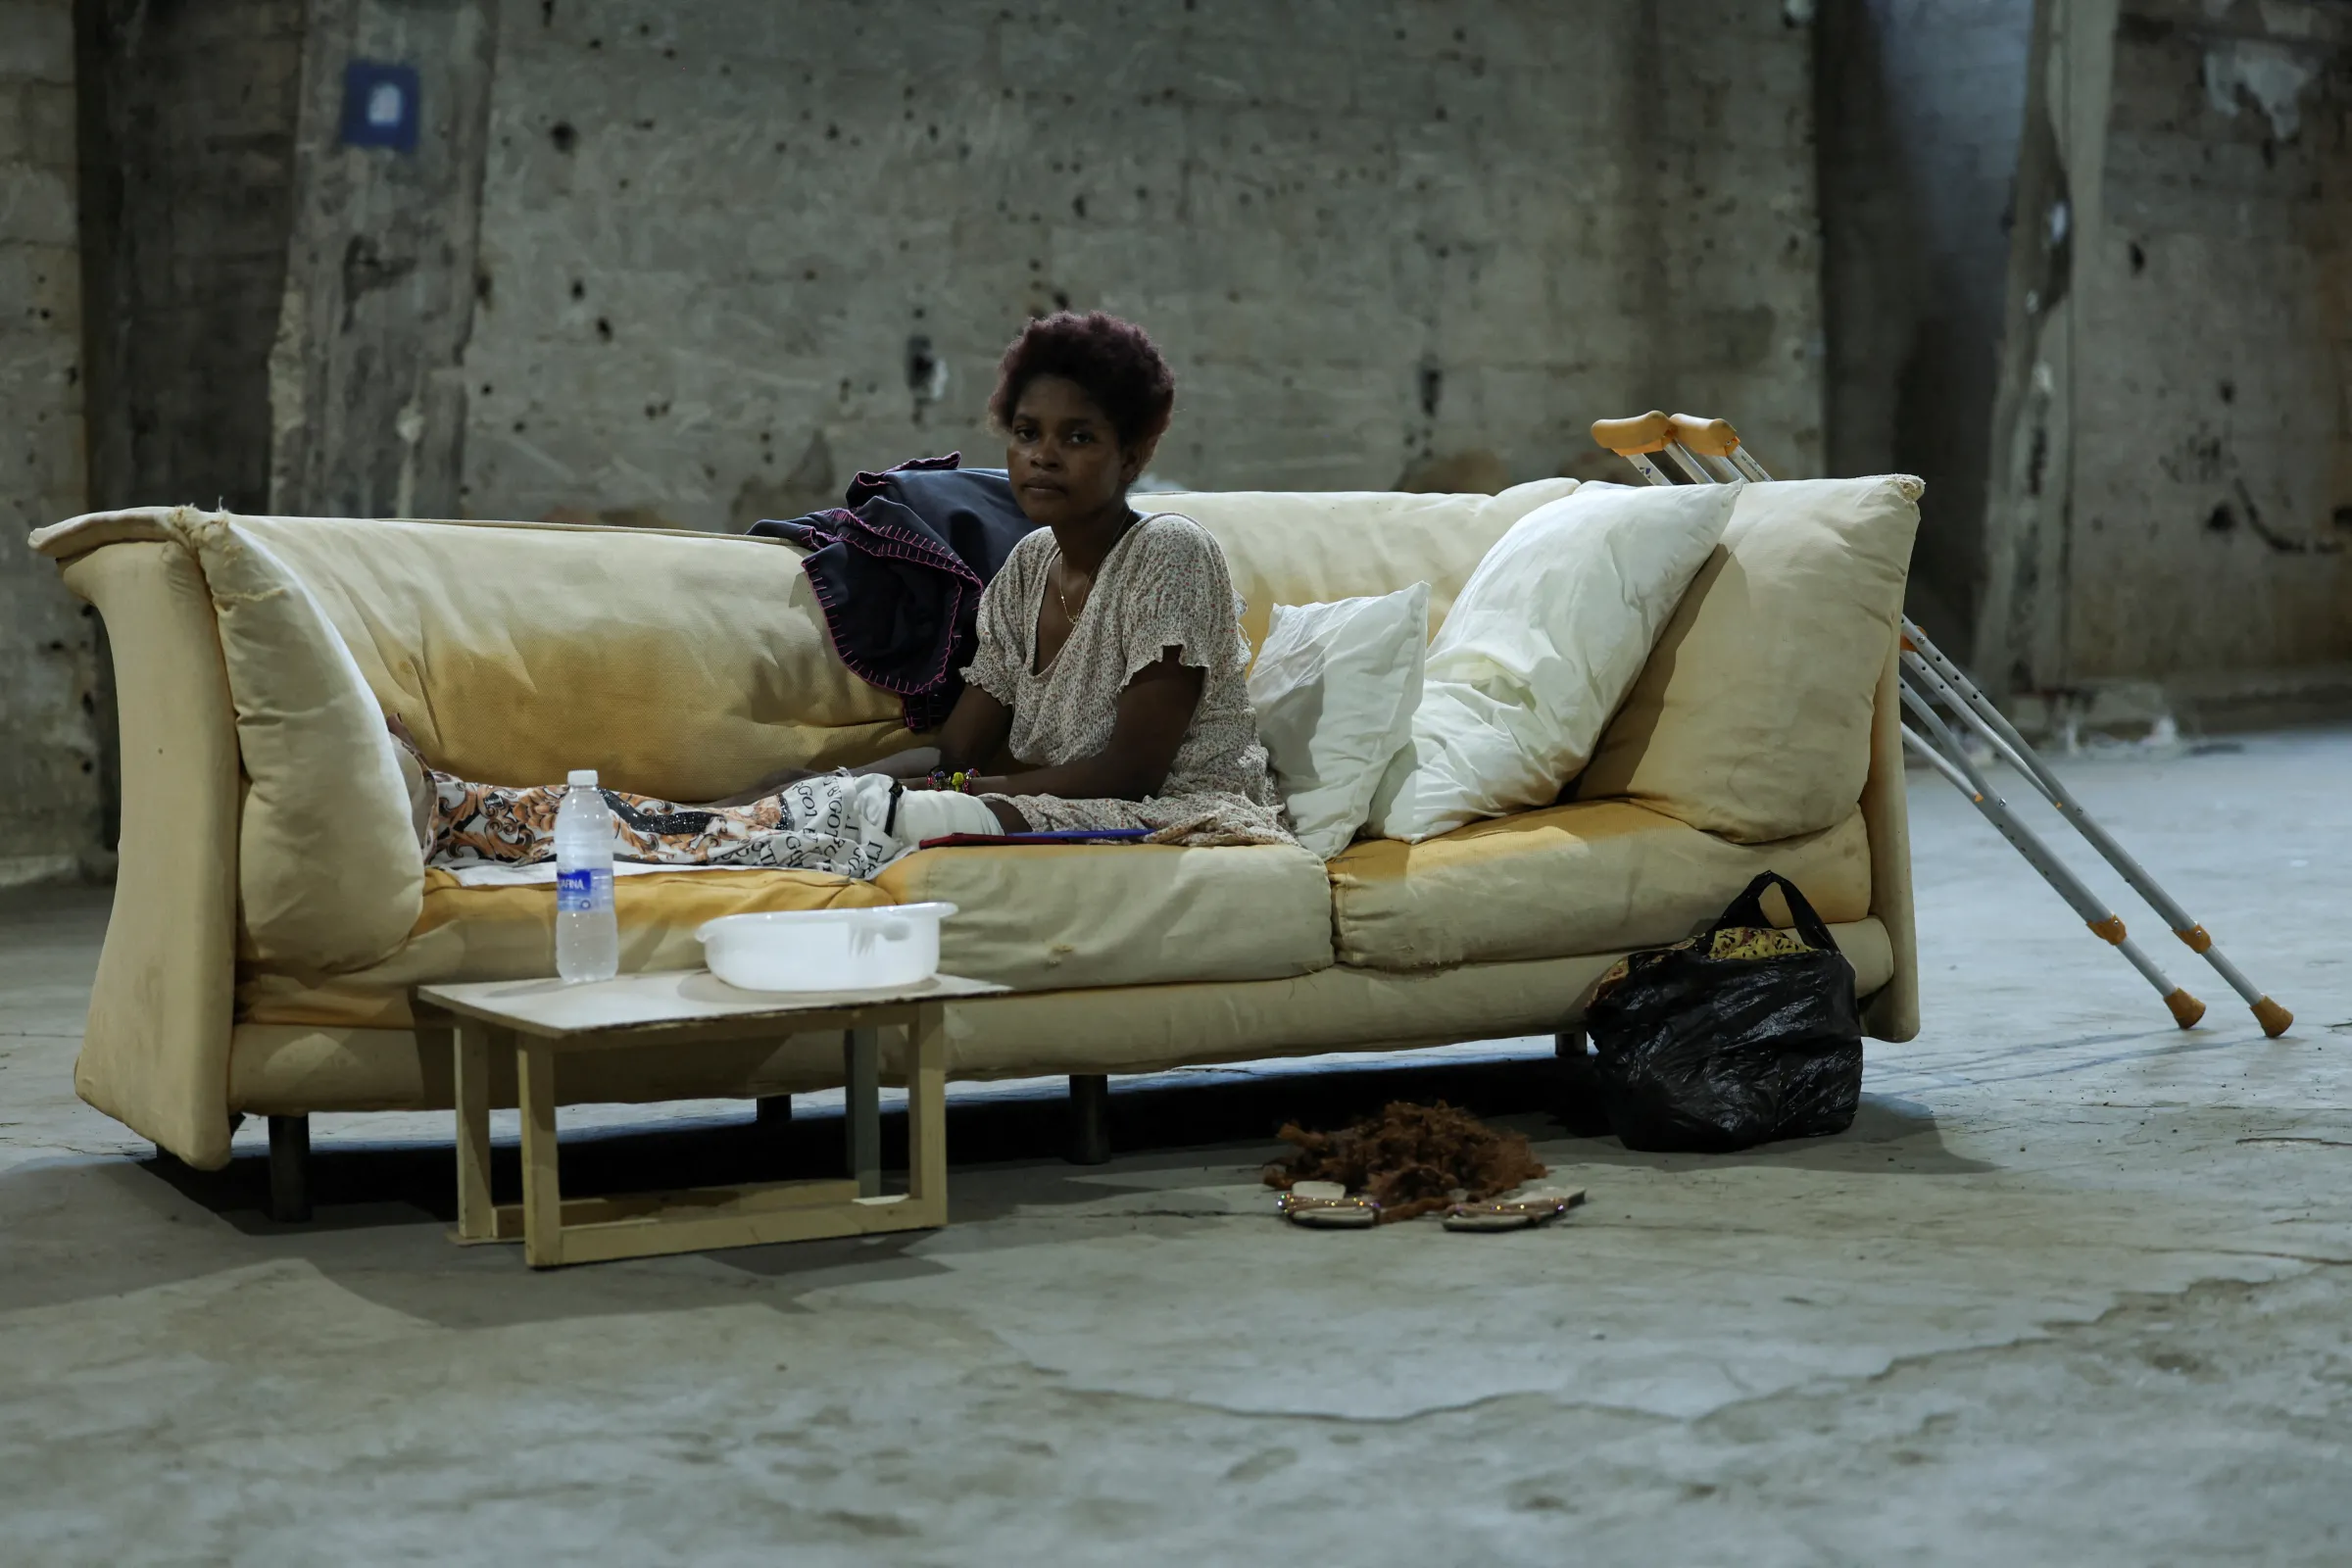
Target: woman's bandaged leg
x=838, y=822
x=936, y=813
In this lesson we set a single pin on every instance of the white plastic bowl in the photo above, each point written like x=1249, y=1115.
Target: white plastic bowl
x=825, y=950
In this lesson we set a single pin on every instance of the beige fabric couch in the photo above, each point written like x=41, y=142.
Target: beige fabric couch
x=271, y=913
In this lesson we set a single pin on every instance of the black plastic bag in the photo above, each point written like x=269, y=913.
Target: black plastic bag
x=1737, y=1036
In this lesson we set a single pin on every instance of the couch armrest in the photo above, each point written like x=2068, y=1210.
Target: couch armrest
x=1893, y=1011
x=155, y=1054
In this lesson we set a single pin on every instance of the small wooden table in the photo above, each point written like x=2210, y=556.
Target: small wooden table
x=540, y=1020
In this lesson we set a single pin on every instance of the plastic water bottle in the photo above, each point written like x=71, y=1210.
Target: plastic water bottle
x=587, y=936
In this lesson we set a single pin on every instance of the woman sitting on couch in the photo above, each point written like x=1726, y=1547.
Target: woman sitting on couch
x=1110, y=666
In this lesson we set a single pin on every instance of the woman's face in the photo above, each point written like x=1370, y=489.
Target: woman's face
x=1064, y=455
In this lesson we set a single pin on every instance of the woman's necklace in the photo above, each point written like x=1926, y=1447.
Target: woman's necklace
x=1068, y=614
x=1063, y=562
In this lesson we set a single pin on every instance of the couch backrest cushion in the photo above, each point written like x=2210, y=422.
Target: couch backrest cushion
x=329, y=874
x=1313, y=547
x=677, y=666
x=1752, y=717
x=687, y=666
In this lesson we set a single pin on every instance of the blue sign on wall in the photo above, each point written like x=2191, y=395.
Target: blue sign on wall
x=379, y=105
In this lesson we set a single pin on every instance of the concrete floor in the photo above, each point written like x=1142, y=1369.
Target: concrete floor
x=2071, y=1291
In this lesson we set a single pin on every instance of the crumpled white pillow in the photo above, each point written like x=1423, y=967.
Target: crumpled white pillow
x=1548, y=637
x=1335, y=687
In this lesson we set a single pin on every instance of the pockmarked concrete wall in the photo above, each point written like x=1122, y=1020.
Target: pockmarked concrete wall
x=732, y=252
x=50, y=812
x=1922, y=101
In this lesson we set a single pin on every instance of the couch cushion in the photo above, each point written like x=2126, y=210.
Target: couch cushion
x=1341, y=1010
x=1051, y=916
x=678, y=666
x=1040, y=917
x=1304, y=546
x=1752, y=717
x=1587, y=877
x=329, y=871
x=509, y=933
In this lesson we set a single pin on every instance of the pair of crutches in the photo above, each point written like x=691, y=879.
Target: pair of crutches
x=1709, y=452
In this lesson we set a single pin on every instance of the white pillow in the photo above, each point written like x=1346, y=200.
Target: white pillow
x=1546, y=640
x=1335, y=688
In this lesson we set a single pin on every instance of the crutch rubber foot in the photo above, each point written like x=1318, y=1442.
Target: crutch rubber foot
x=2273, y=1019
x=2186, y=1010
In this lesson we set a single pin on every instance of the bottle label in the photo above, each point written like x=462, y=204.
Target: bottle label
x=583, y=890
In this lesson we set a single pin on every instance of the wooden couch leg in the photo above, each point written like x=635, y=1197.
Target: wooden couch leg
x=1581, y=1108
x=290, y=1169
x=1580, y=1068
x=1090, y=1118
x=772, y=1130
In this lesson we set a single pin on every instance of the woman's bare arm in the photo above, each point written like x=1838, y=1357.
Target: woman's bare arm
x=1154, y=713
x=974, y=732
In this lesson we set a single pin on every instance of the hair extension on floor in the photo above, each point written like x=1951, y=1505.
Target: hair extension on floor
x=1410, y=1160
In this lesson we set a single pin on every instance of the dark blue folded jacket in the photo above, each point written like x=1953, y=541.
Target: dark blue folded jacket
x=899, y=573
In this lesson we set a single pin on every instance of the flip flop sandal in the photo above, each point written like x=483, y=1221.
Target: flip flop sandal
x=1512, y=1215
x=1326, y=1206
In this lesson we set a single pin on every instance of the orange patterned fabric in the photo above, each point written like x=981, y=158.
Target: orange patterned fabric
x=833, y=822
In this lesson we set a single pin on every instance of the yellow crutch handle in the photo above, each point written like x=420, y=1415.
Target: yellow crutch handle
x=1712, y=438
x=1646, y=433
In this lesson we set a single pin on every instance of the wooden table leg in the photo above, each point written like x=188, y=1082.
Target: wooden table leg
x=862, y=1092
x=927, y=1111
x=476, y=1221
x=542, y=1198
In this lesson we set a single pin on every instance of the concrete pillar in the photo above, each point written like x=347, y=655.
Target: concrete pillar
x=367, y=392
x=2171, y=481
x=186, y=125
x=50, y=785
x=1921, y=102
x=2020, y=639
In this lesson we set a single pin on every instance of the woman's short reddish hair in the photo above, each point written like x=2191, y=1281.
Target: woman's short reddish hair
x=1114, y=360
